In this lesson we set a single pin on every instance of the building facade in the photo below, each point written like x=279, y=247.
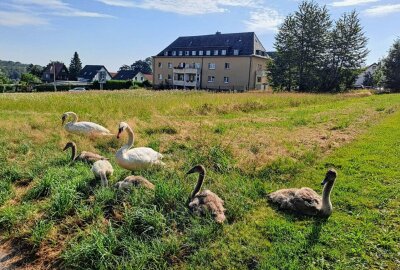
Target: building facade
x=91, y=73
x=56, y=71
x=234, y=61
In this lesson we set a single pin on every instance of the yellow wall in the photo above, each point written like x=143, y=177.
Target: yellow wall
x=242, y=71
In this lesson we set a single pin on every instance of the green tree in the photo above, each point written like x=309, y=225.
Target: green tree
x=35, y=70
x=391, y=67
x=141, y=66
x=3, y=78
x=301, y=45
x=312, y=37
x=125, y=67
x=282, y=71
x=75, y=67
x=30, y=79
x=347, y=53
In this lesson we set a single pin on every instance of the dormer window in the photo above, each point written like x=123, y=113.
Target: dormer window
x=180, y=53
x=208, y=52
x=200, y=52
x=215, y=52
x=223, y=52
x=235, y=52
x=166, y=53
x=186, y=53
x=193, y=52
x=173, y=53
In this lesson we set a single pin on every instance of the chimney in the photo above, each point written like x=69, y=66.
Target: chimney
x=218, y=33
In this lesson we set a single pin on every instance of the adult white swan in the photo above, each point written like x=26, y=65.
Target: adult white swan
x=83, y=128
x=136, y=158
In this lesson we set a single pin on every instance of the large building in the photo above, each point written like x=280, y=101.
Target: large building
x=234, y=61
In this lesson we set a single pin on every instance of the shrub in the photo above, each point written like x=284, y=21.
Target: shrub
x=113, y=85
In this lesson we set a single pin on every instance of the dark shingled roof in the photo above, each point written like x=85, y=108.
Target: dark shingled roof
x=247, y=43
x=125, y=75
x=89, y=71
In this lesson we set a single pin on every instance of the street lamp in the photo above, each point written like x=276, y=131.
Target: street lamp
x=54, y=75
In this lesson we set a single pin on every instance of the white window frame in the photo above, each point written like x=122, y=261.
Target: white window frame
x=235, y=52
x=215, y=52
x=211, y=65
x=160, y=76
x=159, y=64
x=166, y=53
x=193, y=52
x=208, y=52
x=169, y=65
x=211, y=79
x=200, y=52
x=180, y=53
x=187, y=53
x=223, y=52
x=173, y=53
x=226, y=79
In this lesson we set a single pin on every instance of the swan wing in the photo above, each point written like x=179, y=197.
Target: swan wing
x=307, y=201
x=138, y=158
x=89, y=128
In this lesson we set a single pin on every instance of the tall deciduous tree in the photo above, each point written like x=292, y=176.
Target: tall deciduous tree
x=35, y=70
x=141, y=66
x=3, y=78
x=347, y=53
x=312, y=37
x=391, y=68
x=75, y=67
x=314, y=56
x=125, y=67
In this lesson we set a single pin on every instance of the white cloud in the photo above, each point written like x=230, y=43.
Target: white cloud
x=10, y=18
x=264, y=20
x=184, y=7
x=118, y=3
x=347, y=3
x=382, y=10
x=55, y=7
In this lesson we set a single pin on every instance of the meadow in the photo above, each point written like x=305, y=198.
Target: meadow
x=54, y=214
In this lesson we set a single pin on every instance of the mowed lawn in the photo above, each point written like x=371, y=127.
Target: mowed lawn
x=56, y=215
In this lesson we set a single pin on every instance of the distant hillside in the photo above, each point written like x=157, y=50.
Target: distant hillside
x=13, y=69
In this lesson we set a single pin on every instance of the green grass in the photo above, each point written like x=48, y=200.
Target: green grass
x=251, y=144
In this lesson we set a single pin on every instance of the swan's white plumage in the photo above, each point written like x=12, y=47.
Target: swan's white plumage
x=136, y=158
x=84, y=128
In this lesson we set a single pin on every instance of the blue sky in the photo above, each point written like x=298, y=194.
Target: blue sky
x=117, y=32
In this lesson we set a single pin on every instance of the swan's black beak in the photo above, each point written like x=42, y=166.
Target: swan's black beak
x=63, y=120
x=324, y=181
x=119, y=132
x=66, y=147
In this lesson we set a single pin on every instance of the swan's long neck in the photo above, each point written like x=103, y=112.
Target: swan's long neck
x=326, y=199
x=73, y=152
x=129, y=144
x=199, y=183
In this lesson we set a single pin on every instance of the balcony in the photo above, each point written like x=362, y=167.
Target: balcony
x=185, y=70
x=185, y=83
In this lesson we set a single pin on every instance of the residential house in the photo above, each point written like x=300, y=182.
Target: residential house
x=235, y=61
x=91, y=73
x=132, y=76
x=370, y=70
x=125, y=75
x=57, y=69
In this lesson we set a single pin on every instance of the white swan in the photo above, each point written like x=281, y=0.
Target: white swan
x=83, y=128
x=136, y=158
